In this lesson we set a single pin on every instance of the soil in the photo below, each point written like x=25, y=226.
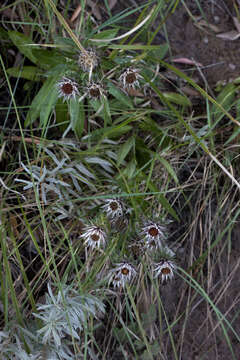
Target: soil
x=193, y=33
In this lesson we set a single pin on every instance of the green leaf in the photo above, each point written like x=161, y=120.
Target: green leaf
x=24, y=44
x=130, y=170
x=155, y=349
x=124, y=150
x=135, y=47
x=77, y=117
x=160, y=52
x=109, y=132
x=49, y=58
x=177, y=98
x=163, y=201
x=106, y=34
x=169, y=168
x=119, y=95
x=106, y=111
x=26, y=72
x=43, y=102
x=226, y=100
x=149, y=317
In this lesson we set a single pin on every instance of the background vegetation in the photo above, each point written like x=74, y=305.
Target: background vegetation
x=163, y=147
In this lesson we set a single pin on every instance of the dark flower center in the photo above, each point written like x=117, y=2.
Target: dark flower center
x=153, y=231
x=165, y=271
x=125, y=271
x=114, y=205
x=131, y=78
x=95, y=237
x=67, y=88
x=94, y=92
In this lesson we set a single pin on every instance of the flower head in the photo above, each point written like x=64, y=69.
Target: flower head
x=129, y=78
x=88, y=60
x=67, y=89
x=153, y=235
x=113, y=208
x=123, y=273
x=165, y=269
x=95, y=90
x=94, y=236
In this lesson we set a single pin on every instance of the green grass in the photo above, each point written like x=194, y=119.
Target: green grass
x=146, y=147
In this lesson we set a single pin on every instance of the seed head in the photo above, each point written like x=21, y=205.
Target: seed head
x=67, y=89
x=88, y=60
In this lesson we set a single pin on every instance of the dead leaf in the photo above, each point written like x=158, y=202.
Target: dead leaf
x=187, y=90
x=187, y=61
x=95, y=9
x=112, y=3
x=230, y=35
x=76, y=13
x=204, y=23
x=236, y=23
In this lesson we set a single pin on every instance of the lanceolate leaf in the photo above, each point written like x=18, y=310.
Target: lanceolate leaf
x=24, y=44
x=43, y=102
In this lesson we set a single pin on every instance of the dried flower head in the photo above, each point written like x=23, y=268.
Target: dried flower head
x=153, y=235
x=129, y=78
x=113, y=208
x=88, y=60
x=67, y=89
x=95, y=90
x=165, y=269
x=94, y=236
x=137, y=248
x=123, y=273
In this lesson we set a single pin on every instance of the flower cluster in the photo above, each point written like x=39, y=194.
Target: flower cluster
x=151, y=236
x=88, y=61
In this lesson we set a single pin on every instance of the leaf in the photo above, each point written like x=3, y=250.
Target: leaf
x=43, y=102
x=163, y=201
x=49, y=58
x=155, y=349
x=24, y=44
x=48, y=106
x=130, y=170
x=230, y=35
x=149, y=317
x=107, y=34
x=77, y=117
x=26, y=72
x=124, y=150
x=169, y=168
x=225, y=99
x=136, y=47
x=106, y=111
x=177, y=98
x=119, y=95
